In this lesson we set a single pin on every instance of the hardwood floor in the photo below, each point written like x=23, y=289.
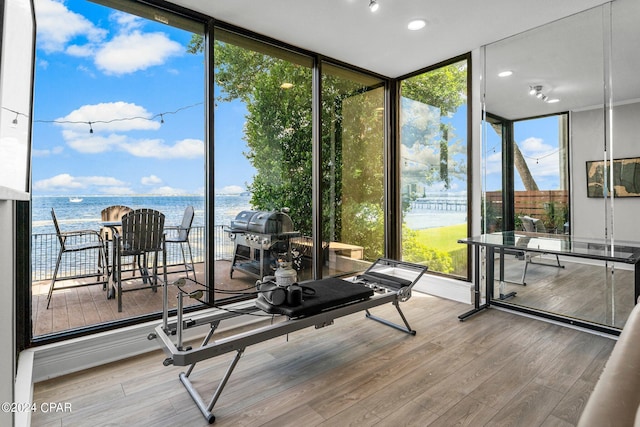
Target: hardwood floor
x=587, y=292
x=495, y=369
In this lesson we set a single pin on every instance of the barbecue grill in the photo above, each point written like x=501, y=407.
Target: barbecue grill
x=260, y=238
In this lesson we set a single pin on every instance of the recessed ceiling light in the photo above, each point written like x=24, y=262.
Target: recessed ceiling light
x=553, y=101
x=505, y=73
x=416, y=24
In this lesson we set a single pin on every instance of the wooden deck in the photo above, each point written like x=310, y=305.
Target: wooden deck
x=88, y=305
x=496, y=369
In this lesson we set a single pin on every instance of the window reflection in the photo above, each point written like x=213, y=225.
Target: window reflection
x=433, y=164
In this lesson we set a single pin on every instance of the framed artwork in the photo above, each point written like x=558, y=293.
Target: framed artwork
x=626, y=177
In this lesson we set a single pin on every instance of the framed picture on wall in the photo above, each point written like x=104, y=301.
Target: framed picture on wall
x=626, y=177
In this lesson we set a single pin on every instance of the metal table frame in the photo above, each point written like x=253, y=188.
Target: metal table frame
x=563, y=245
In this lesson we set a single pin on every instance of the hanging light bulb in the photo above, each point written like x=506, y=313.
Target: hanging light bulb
x=373, y=5
x=90, y=128
x=14, y=122
x=161, y=118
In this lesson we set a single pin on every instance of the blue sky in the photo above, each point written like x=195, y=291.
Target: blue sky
x=95, y=64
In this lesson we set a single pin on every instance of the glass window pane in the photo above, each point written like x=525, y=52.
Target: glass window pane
x=541, y=172
x=118, y=121
x=352, y=169
x=433, y=164
x=263, y=159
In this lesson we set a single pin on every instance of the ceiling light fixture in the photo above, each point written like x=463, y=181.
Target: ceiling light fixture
x=537, y=92
x=505, y=73
x=416, y=24
x=534, y=90
x=373, y=5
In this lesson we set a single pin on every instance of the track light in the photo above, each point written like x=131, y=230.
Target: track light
x=537, y=92
x=373, y=5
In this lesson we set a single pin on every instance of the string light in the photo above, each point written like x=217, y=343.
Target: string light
x=92, y=122
x=537, y=159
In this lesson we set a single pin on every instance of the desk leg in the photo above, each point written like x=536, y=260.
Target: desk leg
x=504, y=296
x=476, y=286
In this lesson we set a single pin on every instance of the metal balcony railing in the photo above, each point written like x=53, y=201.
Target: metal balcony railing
x=45, y=248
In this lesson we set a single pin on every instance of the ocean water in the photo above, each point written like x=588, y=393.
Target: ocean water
x=86, y=214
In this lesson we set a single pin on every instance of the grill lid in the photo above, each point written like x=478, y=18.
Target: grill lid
x=262, y=222
x=241, y=221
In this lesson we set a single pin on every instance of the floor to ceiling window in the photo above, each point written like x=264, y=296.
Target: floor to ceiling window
x=352, y=169
x=118, y=120
x=434, y=168
x=263, y=160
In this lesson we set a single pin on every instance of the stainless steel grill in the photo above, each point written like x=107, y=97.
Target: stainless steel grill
x=260, y=238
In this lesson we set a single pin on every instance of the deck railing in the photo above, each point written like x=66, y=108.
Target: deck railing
x=45, y=248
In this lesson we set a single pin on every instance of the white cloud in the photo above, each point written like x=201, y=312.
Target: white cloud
x=57, y=26
x=156, y=148
x=128, y=53
x=534, y=145
x=80, y=51
x=131, y=50
x=150, y=180
x=230, y=189
x=541, y=158
x=45, y=152
x=109, y=121
x=166, y=190
x=84, y=142
x=109, y=117
x=126, y=22
x=68, y=182
x=117, y=190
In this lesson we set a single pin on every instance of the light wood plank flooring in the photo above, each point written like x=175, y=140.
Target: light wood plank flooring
x=587, y=292
x=495, y=369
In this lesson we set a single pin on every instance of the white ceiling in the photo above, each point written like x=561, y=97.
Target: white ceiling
x=380, y=42
x=560, y=56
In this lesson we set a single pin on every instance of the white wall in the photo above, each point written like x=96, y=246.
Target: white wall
x=587, y=143
x=7, y=309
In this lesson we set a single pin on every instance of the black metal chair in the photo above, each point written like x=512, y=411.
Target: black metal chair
x=142, y=235
x=180, y=235
x=75, y=242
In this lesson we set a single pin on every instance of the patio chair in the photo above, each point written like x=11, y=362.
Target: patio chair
x=112, y=214
x=534, y=225
x=78, y=241
x=180, y=235
x=142, y=235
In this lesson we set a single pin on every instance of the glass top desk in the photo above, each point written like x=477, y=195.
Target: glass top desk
x=552, y=244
